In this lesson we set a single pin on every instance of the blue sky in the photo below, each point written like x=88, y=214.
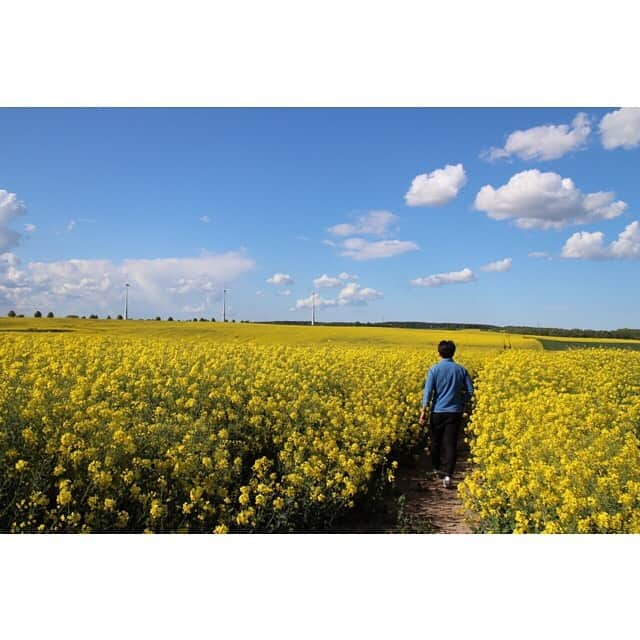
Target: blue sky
x=181, y=202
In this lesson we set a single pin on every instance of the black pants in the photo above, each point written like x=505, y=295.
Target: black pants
x=444, y=427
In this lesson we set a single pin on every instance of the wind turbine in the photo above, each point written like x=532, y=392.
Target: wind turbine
x=224, y=304
x=126, y=301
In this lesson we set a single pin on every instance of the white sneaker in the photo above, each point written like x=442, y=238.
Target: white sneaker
x=446, y=483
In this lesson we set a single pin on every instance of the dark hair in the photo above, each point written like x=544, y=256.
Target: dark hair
x=446, y=348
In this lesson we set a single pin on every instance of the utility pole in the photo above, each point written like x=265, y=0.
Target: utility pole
x=313, y=308
x=224, y=305
x=126, y=301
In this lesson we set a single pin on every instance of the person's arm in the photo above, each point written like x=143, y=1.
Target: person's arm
x=469, y=389
x=426, y=396
x=468, y=384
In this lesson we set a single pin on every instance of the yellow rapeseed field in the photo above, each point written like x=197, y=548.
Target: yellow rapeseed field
x=210, y=427
x=155, y=426
x=555, y=443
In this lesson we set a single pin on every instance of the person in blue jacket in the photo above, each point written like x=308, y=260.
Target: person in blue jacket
x=446, y=390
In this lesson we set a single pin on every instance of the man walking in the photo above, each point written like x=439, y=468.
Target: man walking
x=447, y=387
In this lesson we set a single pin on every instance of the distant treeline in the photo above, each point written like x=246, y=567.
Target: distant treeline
x=628, y=334
x=625, y=334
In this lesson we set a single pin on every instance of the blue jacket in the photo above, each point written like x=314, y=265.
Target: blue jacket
x=446, y=383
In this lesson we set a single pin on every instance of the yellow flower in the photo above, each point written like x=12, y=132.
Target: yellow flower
x=156, y=511
x=64, y=494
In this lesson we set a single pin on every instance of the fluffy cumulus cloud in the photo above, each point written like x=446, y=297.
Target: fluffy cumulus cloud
x=537, y=200
x=498, y=265
x=547, y=142
x=327, y=281
x=621, y=128
x=10, y=209
x=440, y=279
x=14, y=284
x=29, y=228
x=160, y=285
x=281, y=279
x=591, y=246
x=9, y=260
x=352, y=294
x=361, y=249
x=436, y=188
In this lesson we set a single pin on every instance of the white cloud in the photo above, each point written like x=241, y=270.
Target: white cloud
x=351, y=294
x=586, y=245
x=628, y=243
x=193, y=309
x=547, y=142
x=374, y=223
x=590, y=246
x=539, y=254
x=329, y=282
x=188, y=285
x=621, y=128
x=14, y=286
x=360, y=249
x=284, y=292
x=9, y=259
x=439, y=279
x=498, y=265
x=71, y=225
x=13, y=281
x=87, y=286
x=307, y=303
x=10, y=208
x=354, y=294
x=280, y=279
x=204, y=219
x=29, y=228
x=326, y=281
x=436, y=188
x=259, y=293
x=537, y=200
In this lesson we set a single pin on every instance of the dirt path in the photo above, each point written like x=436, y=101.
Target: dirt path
x=427, y=504
x=418, y=503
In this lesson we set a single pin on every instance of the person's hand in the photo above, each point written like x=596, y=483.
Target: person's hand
x=423, y=417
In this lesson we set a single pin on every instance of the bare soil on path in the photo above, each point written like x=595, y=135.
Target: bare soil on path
x=418, y=503
x=427, y=504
